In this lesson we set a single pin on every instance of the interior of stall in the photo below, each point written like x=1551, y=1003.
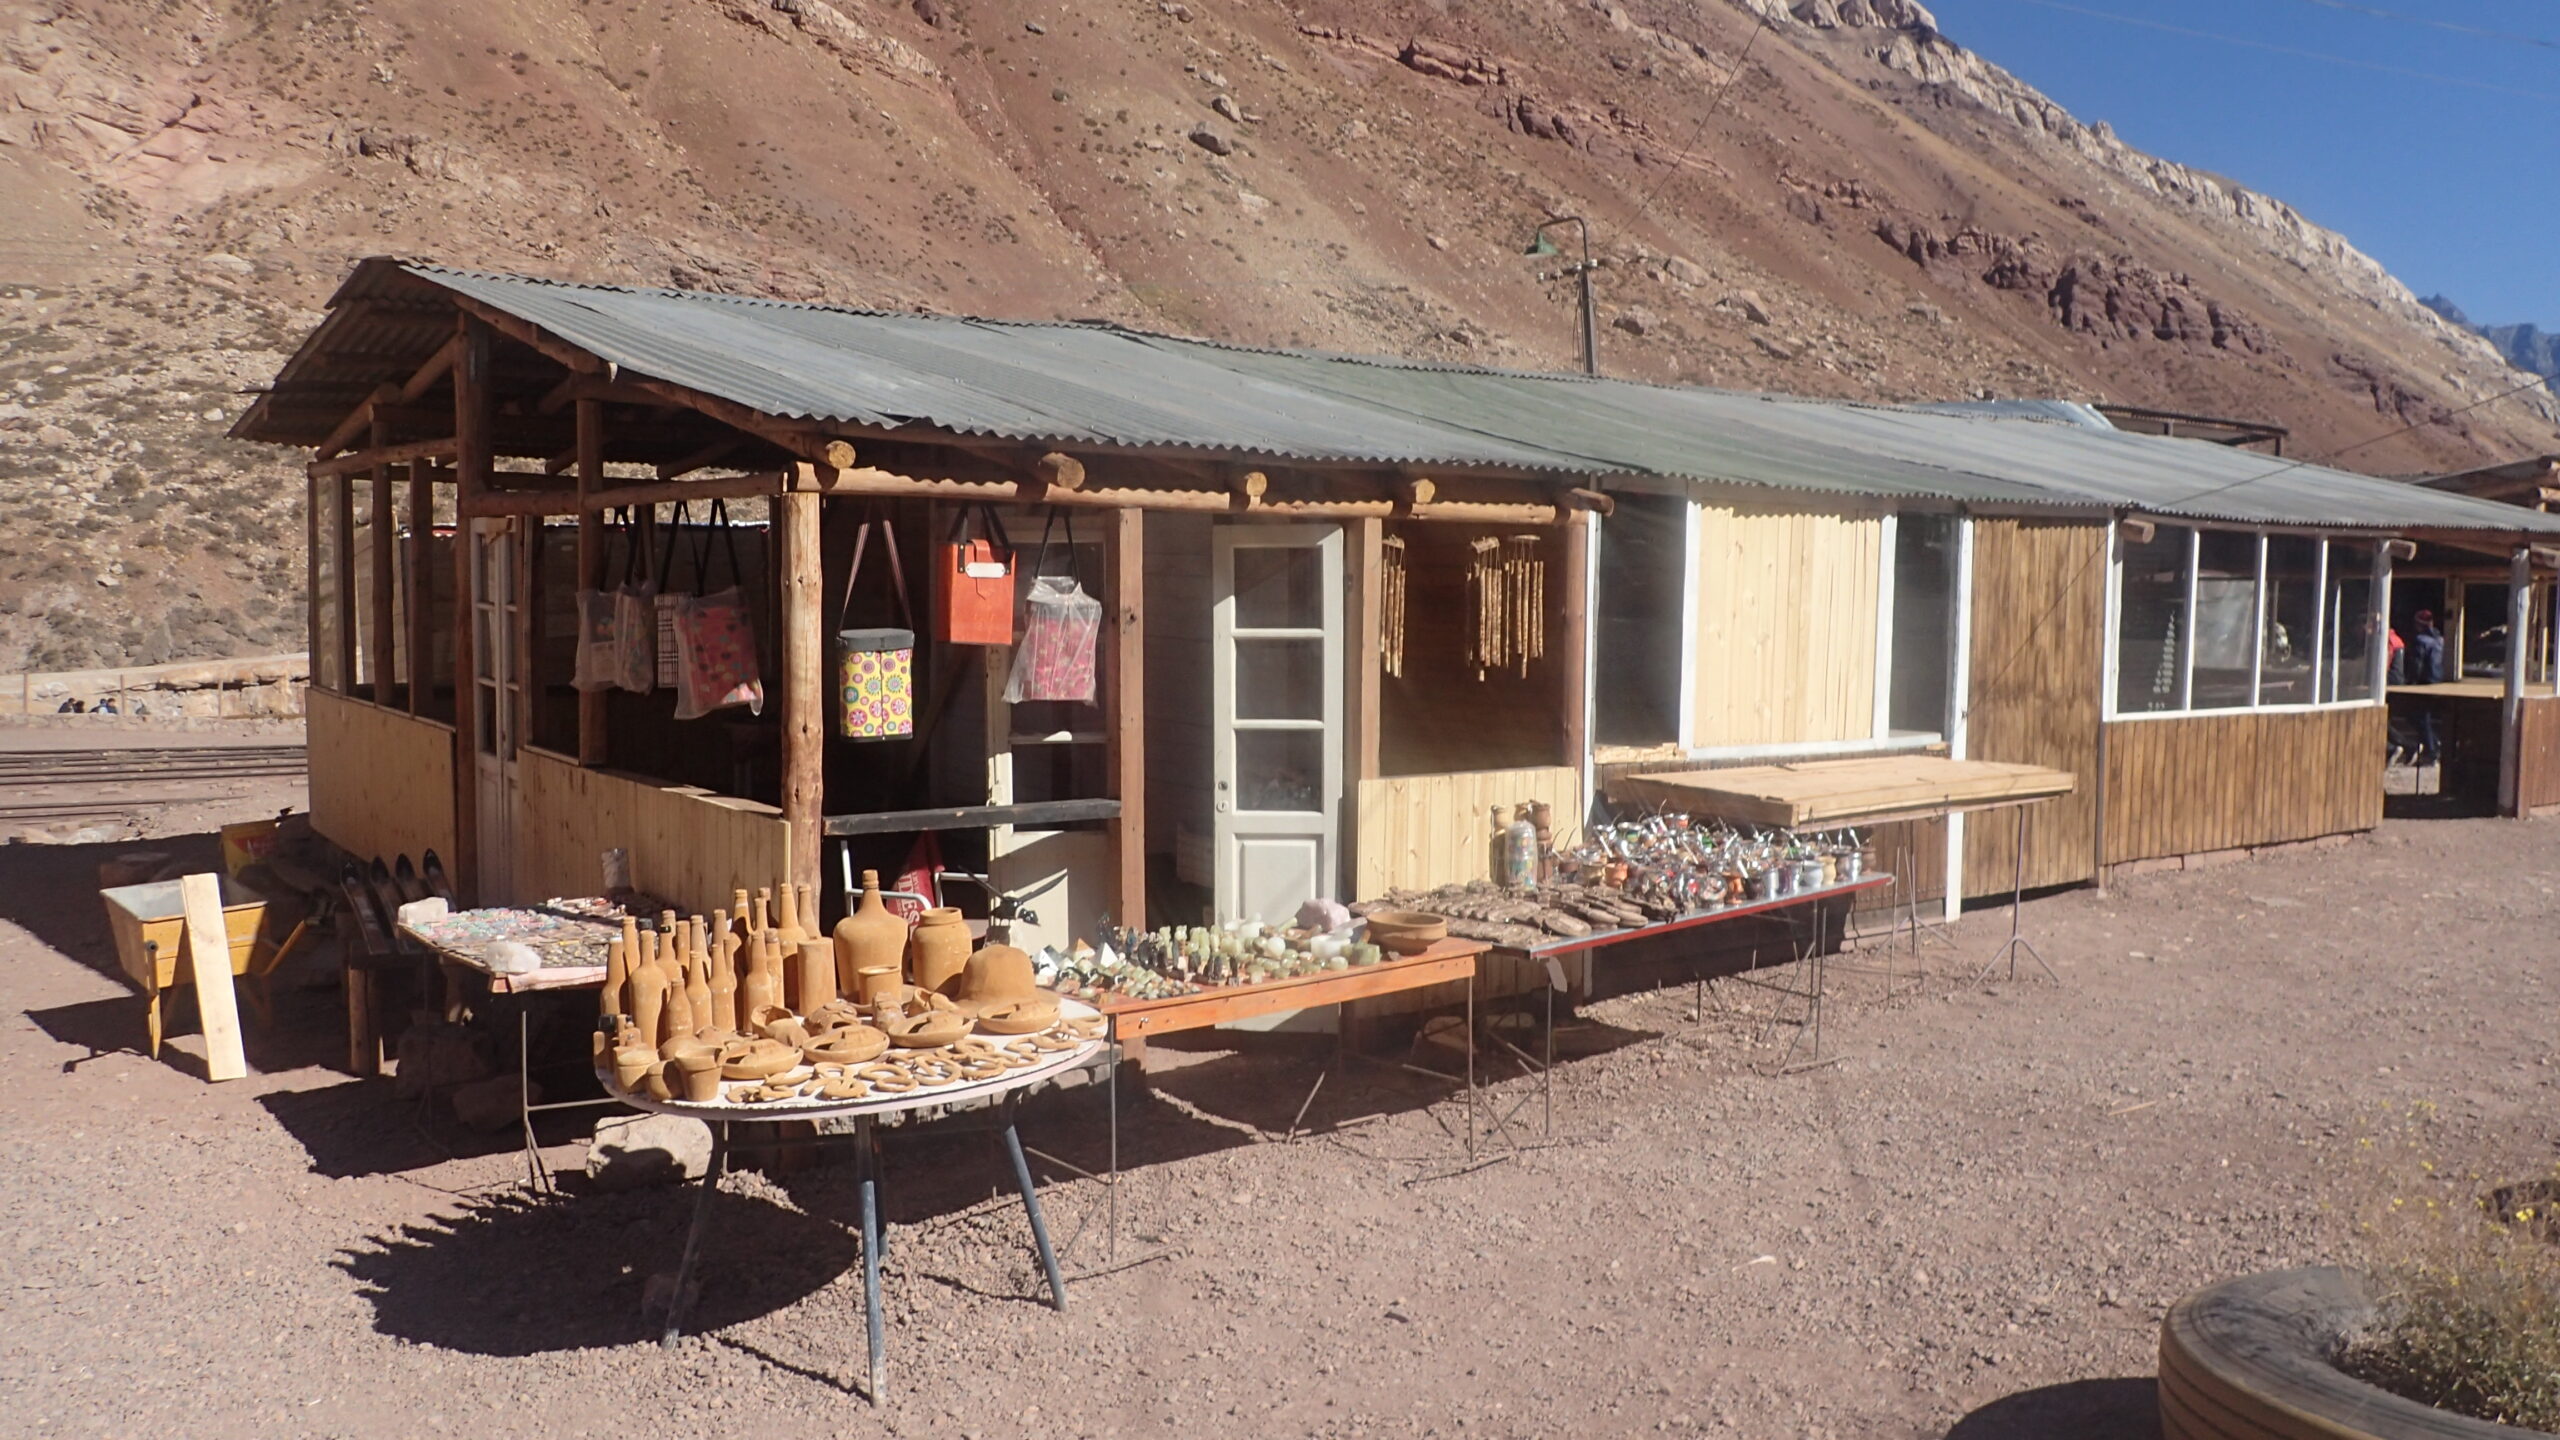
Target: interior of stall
x=1472, y=628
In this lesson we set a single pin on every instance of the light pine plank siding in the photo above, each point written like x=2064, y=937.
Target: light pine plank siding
x=381, y=781
x=1786, y=626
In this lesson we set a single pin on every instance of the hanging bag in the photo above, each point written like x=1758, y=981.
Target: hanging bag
x=668, y=602
x=1060, y=627
x=875, y=668
x=977, y=583
x=716, y=639
x=596, y=639
x=635, y=616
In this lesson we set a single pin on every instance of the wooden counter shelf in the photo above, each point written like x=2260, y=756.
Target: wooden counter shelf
x=1446, y=960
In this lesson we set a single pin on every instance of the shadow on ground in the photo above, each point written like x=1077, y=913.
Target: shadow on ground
x=2126, y=1409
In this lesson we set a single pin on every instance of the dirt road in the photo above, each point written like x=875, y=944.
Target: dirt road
x=1967, y=1225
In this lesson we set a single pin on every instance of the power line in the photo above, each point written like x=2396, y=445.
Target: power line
x=2274, y=49
x=2478, y=32
x=1715, y=103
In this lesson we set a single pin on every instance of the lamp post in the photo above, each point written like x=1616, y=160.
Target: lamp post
x=1580, y=270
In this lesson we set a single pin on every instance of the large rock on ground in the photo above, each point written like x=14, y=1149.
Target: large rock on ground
x=630, y=1151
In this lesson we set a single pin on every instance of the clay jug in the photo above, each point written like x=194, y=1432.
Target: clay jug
x=617, y=975
x=939, y=951
x=697, y=982
x=813, y=977
x=786, y=921
x=868, y=937
x=762, y=986
x=723, y=983
x=648, y=986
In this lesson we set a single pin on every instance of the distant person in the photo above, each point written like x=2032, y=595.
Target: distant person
x=72, y=707
x=2426, y=666
x=2398, y=671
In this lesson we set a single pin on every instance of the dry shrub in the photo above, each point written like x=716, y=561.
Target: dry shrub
x=2466, y=1278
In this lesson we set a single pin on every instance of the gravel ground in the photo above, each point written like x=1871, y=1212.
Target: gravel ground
x=1966, y=1224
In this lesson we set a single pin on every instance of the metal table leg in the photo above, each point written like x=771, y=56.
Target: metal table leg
x=2016, y=942
x=1031, y=1207
x=874, y=1328
x=703, y=1192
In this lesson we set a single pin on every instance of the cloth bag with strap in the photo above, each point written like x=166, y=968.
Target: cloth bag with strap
x=716, y=640
x=976, y=601
x=635, y=617
x=875, y=667
x=1061, y=627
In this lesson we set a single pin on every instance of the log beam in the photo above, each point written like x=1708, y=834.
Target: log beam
x=876, y=482
x=590, y=461
x=1125, y=553
x=422, y=588
x=804, y=736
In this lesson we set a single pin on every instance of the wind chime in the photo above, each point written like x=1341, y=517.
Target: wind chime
x=1507, y=583
x=1391, y=601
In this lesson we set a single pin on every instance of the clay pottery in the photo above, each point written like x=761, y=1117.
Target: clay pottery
x=764, y=910
x=697, y=980
x=679, y=1005
x=1018, y=1017
x=997, y=975
x=655, y=1084
x=631, y=1066
x=873, y=981
x=835, y=1015
x=722, y=983
x=852, y=1045
x=648, y=986
x=617, y=974
x=786, y=920
x=939, y=951
x=813, y=975
x=869, y=936
x=762, y=985
x=1407, y=932
x=756, y=1059
x=929, y=1031
x=699, y=1071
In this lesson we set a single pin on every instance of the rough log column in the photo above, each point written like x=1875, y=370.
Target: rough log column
x=470, y=481
x=2511, y=758
x=384, y=607
x=804, y=736
x=1576, y=657
x=422, y=585
x=591, y=732
x=1127, y=751
x=343, y=542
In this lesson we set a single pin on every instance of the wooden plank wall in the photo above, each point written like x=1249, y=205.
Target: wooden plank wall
x=2199, y=783
x=1786, y=626
x=2541, y=754
x=381, y=781
x=687, y=844
x=1418, y=831
x=2039, y=607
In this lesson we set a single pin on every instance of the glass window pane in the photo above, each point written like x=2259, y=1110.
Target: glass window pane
x=1279, y=587
x=2226, y=619
x=2151, y=627
x=1280, y=769
x=2348, y=664
x=1924, y=568
x=2293, y=617
x=1279, y=679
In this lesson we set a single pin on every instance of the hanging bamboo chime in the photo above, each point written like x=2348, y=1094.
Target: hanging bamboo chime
x=1507, y=595
x=1391, y=601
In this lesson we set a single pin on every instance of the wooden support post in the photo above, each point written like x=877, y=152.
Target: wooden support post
x=311, y=596
x=1574, y=659
x=591, y=703
x=343, y=541
x=470, y=481
x=384, y=600
x=1125, y=556
x=2511, y=712
x=422, y=585
x=804, y=734
x=1368, y=637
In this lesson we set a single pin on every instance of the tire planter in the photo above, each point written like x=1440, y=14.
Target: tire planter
x=2249, y=1359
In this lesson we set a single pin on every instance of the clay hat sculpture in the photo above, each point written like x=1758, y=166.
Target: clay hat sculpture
x=997, y=976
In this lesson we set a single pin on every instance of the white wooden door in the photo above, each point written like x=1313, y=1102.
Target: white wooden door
x=497, y=690
x=1276, y=716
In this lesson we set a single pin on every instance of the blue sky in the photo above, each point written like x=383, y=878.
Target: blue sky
x=2435, y=149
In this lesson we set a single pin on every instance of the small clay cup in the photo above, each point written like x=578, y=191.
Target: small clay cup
x=654, y=1082
x=871, y=982
x=631, y=1065
x=699, y=1070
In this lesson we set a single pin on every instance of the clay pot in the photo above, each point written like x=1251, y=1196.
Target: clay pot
x=998, y=975
x=631, y=1066
x=654, y=1082
x=699, y=1069
x=1407, y=932
x=938, y=952
x=813, y=976
x=852, y=1045
x=870, y=936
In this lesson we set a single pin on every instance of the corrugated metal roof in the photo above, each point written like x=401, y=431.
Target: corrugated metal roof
x=1103, y=385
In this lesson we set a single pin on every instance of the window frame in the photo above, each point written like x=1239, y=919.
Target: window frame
x=2186, y=708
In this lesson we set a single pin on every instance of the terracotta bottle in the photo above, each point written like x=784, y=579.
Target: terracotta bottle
x=617, y=976
x=697, y=982
x=648, y=987
x=723, y=984
x=939, y=951
x=738, y=916
x=763, y=983
x=786, y=921
x=813, y=977
x=679, y=1006
x=868, y=937
x=764, y=911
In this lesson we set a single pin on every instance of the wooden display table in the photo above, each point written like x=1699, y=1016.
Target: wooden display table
x=1132, y=1021
x=1834, y=794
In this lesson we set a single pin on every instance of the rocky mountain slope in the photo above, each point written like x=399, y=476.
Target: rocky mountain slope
x=1826, y=197
x=2527, y=347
